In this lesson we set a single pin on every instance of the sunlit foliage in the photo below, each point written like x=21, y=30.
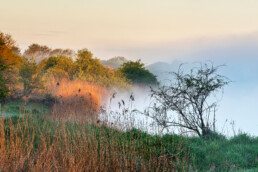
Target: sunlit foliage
x=9, y=57
x=90, y=69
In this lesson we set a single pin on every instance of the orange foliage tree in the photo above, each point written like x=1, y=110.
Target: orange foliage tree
x=9, y=56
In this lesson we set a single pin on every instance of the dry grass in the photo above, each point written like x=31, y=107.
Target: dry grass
x=29, y=144
x=76, y=100
x=37, y=143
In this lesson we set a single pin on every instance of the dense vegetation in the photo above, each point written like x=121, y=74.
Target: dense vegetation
x=29, y=72
x=34, y=142
x=3, y=88
x=50, y=106
x=136, y=72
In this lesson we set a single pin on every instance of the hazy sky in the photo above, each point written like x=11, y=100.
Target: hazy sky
x=107, y=27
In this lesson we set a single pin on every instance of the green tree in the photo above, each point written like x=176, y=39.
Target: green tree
x=3, y=88
x=30, y=77
x=136, y=72
x=90, y=69
x=51, y=62
x=59, y=67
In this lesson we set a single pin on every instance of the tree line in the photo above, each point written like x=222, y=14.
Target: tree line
x=23, y=73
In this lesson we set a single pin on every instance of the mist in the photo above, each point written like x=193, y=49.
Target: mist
x=239, y=54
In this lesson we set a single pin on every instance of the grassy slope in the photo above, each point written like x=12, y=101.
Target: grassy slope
x=36, y=134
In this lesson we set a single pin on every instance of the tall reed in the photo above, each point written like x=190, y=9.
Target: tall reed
x=35, y=143
x=76, y=100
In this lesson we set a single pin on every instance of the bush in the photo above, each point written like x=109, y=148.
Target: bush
x=187, y=101
x=135, y=72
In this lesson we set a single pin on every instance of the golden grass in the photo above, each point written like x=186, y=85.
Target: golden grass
x=76, y=100
x=40, y=144
x=30, y=146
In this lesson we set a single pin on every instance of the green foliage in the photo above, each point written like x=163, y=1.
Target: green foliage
x=51, y=62
x=3, y=88
x=30, y=77
x=87, y=67
x=136, y=72
x=90, y=69
x=59, y=67
x=224, y=154
x=9, y=59
x=40, y=63
x=243, y=138
x=84, y=68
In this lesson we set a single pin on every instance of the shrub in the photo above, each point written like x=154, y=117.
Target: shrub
x=186, y=102
x=135, y=72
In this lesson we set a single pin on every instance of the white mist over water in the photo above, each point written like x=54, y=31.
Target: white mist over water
x=120, y=110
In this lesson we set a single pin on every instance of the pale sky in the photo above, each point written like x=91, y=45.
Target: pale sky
x=104, y=26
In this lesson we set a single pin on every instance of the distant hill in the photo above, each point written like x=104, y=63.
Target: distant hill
x=115, y=62
x=162, y=70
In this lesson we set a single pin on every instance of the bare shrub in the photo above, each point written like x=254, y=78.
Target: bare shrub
x=190, y=100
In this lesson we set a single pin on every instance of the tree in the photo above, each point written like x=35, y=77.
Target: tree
x=188, y=101
x=10, y=62
x=29, y=77
x=136, y=72
x=87, y=67
x=51, y=62
x=36, y=52
x=90, y=69
x=59, y=67
x=3, y=88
